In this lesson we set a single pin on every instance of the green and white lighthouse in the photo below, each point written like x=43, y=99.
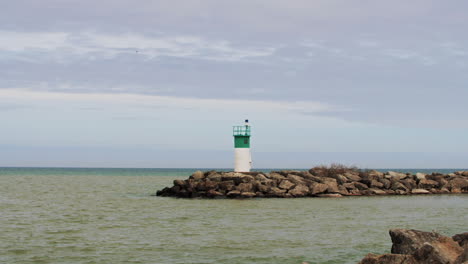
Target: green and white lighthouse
x=242, y=156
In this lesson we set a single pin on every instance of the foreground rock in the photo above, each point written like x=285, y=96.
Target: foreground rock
x=317, y=182
x=418, y=247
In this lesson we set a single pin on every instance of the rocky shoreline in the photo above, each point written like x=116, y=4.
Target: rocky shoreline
x=418, y=247
x=334, y=181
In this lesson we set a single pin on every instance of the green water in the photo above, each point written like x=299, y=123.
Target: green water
x=109, y=216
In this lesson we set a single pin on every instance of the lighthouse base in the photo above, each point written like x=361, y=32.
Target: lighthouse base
x=242, y=160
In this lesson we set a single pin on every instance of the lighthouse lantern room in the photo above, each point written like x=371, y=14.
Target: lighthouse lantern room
x=242, y=156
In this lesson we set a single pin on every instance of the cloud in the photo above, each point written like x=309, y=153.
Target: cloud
x=90, y=45
x=162, y=102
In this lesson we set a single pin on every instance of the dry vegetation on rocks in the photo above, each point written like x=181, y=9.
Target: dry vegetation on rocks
x=322, y=181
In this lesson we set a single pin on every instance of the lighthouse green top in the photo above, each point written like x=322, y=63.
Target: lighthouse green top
x=241, y=136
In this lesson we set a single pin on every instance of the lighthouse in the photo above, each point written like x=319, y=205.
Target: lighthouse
x=242, y=156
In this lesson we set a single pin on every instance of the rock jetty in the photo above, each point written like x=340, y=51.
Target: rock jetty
x=418, y=247
x=334, y=181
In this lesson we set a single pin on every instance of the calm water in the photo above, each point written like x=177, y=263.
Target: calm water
x=109, y=216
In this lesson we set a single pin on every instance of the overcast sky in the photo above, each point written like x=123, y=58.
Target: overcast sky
x=160, y=83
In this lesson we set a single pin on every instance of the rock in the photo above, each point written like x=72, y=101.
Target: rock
x=420, y=191
x=461, y=239
x=443, y=250
x=277, y=192
x=420, y=176
x=299, y=191
x=330, y=195
x=276, y=177
x=377, y=191
x=226, y=185
x=233, y=194
x=261, y=178
x=397, y=175
x=409, y=183
x=237, y=177
x=317, y=188
x=198, y=175
x=352, y=177
x=398, y=186
x=343, y=190
x=332, y=185
x=263, y=188
x=386, y=183
x=247, y=194
x=407, y=241
x=179, y=183
x=427, y=184
x=295, y=179
x=245, y=187
x=387, y=259
x=376, y=184
x=215, y=177
x=339, y=178
x=286, y=185
x=213, y=194
x=418, y=247
x=360, y=186
x=458, y=183
x=375, y=174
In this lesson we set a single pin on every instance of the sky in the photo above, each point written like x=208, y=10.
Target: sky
x=371, y=83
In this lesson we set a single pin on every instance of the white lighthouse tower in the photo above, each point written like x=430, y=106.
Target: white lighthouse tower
x=242, y=156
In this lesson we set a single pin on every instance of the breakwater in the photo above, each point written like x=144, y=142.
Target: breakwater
x=335, y=181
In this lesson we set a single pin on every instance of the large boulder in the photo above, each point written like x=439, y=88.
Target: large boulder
x=407, y=241
x=427, y=184
x=286, y=184
x=198, y=175
x=299, y=191
x=418, y=247
x=317, y=188
x=245, y=187
x=396, y=175
x=237, y=177
x=461, y=239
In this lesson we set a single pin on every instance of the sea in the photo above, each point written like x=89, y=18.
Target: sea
x=90, y=215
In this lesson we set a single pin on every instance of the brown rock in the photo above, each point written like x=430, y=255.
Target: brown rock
x=376, y=184
x=387, y=259
x=263, y=188
x=276, y=192
x=286, y=185
x=179, y=183
x=396, y=175
x=233, y=194
x=427, y=184
x=443, y=250
x=330, y=195
x=213, y=194
x=420, y=176
x=198, y=175
x=461, y=239
x=343, y=190
x=245, y=187
x=360, y=186
x=420, y=191
x=407, y=241
x=247, y=194
x=377, y=191
x=458, y=183
x=332, y=185
x=276, y=176
x=226, y=185
x=352, y=177
x=237, y=177
x=295, y=179
x=317, y=188
x=299, y=191
x=386, y=183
